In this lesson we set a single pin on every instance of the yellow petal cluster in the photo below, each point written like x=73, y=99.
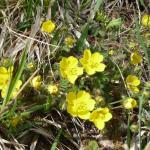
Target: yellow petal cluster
x=111, y=52
x=145, y=21
x=30, y=65
x=80, y=104
x=36, y=82
x=100, y=116
x=52, y=89
x=69, y=69
x=129, y=103
x=135, y=58
x=69, y=41
x=15, y=90
x=48, y=26
x=5, y=76
x=92, y=62
x=132, y=83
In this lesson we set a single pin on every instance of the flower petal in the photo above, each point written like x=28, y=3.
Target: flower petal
x=97, y=57
x=100, y=67
x=87, y=54
x=90, y=71
x=85, y=115
x=99, y=124
x=72, y=61
x=71, y=96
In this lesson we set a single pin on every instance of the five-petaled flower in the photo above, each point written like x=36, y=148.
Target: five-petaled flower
x=135, y=58
x=92, y=62
x=80, y=104
x=132, y=83
x=100, y=116
x=48, y=26
x=129, y=103
x=69, y=69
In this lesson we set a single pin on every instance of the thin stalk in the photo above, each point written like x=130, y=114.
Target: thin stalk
x=139, y=118
x=112, y=103
x=128, y=131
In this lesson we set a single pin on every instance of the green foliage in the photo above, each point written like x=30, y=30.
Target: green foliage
x=92, y=145
x=114, y=23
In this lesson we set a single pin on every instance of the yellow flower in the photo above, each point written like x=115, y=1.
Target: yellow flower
x=36, y=82
x=69, y=69
x=69, y=41
x=53, y=89
x=145, y=21
x=15, y=90
x=80, y=104
x=92, y=62
x=100, y=116
x=5, y=75
x=129, y=103
x=132, y=83
x=30, y=65
x=136, y=58
x=111, y=52
x=48, y=26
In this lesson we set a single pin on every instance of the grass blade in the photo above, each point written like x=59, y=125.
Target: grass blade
x=142, y=43
x=56, y=140
x=15, y=79
x=96, y=7
x=81, y=40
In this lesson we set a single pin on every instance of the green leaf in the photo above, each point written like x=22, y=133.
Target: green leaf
x=81, y=40
x=54, y=145
x=114, y=23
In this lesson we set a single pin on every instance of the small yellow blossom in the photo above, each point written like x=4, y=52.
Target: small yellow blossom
x=135, y=58
x=52, y=89
x=30, y=65
x=100, y=116
x=111, y=52
x=15, y=90
x=80, y=104
x=69, y=41
x=5, y=76
x=145, y=21
x=69, y=69
x=36, y=82
x=92, y=62
x=132, y=83
x=129, y=103
x=48, y=26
